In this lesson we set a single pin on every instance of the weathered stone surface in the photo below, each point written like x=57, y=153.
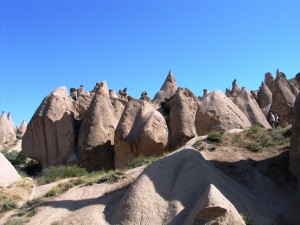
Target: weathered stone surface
x=214, y=208
x=264, y=96
x=7, y=132
x=49, y=137
x=180, y=113
x=8, y=173
x=218, y=112
x=141, y=131
x=22, y=128
x=96, y=136
x=168, y=89
x=145, y=97
x=245, y=101
x=83, y=102
x=294, y=163
x=284, y=95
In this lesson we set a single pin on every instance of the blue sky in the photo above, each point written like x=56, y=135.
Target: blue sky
x=134, y=43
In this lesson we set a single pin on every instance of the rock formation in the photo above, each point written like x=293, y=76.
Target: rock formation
x=145, y=97
x=284, y=95
x=294, y=164
x=234, y=90
x=174, y=185
x=180, y=112
x=214, y=208
x=82, y=103
x=73, y=93
x=141, y=131
x=218, y=112
x=96, y=136
x=245, y=101
x=7, y=132
x=168, y=89
x=264, y=96
x=49, y=137
x=22, y=128
x=8, y=173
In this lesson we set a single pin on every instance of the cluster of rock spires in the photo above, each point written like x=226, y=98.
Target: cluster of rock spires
x=8, y=131
x=105, y=129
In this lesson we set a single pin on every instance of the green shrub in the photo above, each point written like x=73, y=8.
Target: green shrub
x=14, y=157
x=60, y=172
x=215, y=136
x=141, y=160
x=16, y=221
x=287, y=131
x=254, y=129
x=199, y=145
x=8, y=204
x=254, y=147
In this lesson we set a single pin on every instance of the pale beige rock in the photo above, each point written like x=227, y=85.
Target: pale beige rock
x=168, y=190
x=49, y=137
x=218, y=112
x=214, y=208
x=96, y=136
x=22, y=128
x=181, y=111
x=168, y=89
x=284, y=96
x=264, y=96
x=82, y=103
x=8, y=173
x=141, y=131
x=245, y=101
x=294, y=154
x=7, y=132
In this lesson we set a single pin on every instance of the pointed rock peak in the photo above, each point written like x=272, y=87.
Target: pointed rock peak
x=2, y=114
x=103, y=88
x=9, y=116
x=268, y=77
x=280, y=75
x=170, y=77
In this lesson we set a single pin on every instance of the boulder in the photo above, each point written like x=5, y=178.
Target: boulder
x=168, y=89
x=264, y=96
x=96, y=136
x=83, y=102
x=49, y=137
x=294, y=154
x=168, y=190
x=245, y=101
x=284, y=95
x=7, y=132
x=214, y=208
x=8, y=173
x=141, y=131
x=180, y=111
x=218, y=112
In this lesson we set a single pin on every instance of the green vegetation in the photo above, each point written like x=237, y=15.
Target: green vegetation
x=141, y=160
x=215, y=136
x=63, y=187
x=14, y=157
x=8, y=204
x=199, y=145
x=16, y=221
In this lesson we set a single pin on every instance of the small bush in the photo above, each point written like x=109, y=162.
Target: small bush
x=63, y=187
x=199, y=145
x=14, y=157
x=60, y=172
x=141, y=160
x=8, y=204
x=254, y=129
x=16, y=221
x=215, y=136
x=254, y=147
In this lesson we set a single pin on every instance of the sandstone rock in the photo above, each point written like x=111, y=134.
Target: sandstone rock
x=245, y=101
x=123, y=94
x=80, y=90
x=168, y=190
x=82, y=103
x=264, y=96
x=96, y=136
x=113, y=94
x=294, y=163
x=145, y=97
x=168, y=89
x=283, y=97
x=8, y=173
x=7, y=132
x=214, y=208
x=10, y=120
x=181, y=114
x=73, y=93
x=218, y=112
x=141, y=131
x=235, y=90
x=49, y=137
x=22, y=128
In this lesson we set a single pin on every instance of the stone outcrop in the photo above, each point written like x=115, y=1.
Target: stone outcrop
x=7, y=132
x=235, y=90
x=284, y=95
x=22, y=128
x=82, y=103
x=168, y=89
x=173, y=186
x=180, y=112
x=218, y=112
x=96, y=136
x=49, y=137
x=8, y=173
x=145, y=97
x=141, y=131
x=245, y=101
x=294, y=163
x=264, y=96
x=214, y=208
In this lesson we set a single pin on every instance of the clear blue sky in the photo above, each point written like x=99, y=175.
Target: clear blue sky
x=134, y=43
